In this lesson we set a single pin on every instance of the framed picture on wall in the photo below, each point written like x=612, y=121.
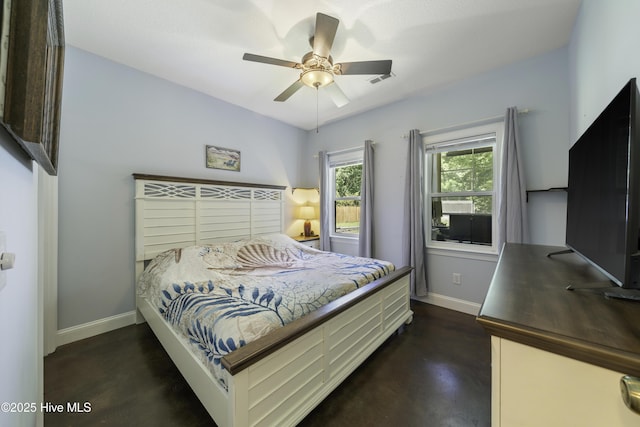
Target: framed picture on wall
x=5, y=9
x=31, y=70
x=222, y=158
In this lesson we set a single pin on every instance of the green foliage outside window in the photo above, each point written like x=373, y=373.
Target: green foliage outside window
x=468, y=171
x=348, y=180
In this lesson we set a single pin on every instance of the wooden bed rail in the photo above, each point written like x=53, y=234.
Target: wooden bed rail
x=256, y=350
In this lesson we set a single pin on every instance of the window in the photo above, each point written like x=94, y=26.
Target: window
x=345, y=178
x=461, y=186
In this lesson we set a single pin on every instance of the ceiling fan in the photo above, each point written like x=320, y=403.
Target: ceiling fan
x=317, y=67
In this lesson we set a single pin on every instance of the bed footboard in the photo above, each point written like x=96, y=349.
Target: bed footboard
x=283, y=387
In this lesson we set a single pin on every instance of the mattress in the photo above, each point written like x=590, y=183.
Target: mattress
x=221, y=297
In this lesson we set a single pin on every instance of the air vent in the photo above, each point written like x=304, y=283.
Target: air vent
x=378, y=79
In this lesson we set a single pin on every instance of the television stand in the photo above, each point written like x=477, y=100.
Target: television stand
x=591, y=287
x=611, y=291
x=578, y=345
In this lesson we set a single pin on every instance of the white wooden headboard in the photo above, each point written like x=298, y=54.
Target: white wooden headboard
x=176, y=212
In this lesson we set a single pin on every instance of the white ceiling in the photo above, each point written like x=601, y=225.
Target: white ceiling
x=199, y=44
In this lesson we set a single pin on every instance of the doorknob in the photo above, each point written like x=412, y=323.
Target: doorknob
x=630, y=389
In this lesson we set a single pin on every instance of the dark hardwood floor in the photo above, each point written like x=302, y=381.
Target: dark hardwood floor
x=434, y=372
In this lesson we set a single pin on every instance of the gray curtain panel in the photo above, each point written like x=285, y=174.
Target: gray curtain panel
x=366, y=203
x=413, y=229
x=512, y=216
x=323, y=166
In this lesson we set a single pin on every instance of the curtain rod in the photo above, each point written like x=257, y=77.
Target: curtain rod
x=345, y=150
x=466, y=124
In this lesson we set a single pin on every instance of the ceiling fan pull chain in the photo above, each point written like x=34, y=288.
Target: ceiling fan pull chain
x=317, y=107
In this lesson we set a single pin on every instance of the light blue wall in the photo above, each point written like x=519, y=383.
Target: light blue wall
x=20, y=355
x=603, y=57
x=117, y=121
x=539, y=84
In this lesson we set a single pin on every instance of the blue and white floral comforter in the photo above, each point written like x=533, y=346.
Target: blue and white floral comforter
x=221, y=297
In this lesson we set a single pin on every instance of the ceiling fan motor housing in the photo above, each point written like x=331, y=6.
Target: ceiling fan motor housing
x=317, y=71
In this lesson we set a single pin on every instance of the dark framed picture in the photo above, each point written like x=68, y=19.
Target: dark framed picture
x=4, y=50
x=31, y=67
x=222, y=158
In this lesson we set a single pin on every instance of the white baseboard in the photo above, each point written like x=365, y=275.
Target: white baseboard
x=97, y=327
x=450, y=303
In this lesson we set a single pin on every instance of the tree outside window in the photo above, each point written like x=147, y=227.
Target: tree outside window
x=347, y=184
x=466, y=171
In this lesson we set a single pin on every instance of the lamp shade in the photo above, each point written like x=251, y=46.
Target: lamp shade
x=307, y=212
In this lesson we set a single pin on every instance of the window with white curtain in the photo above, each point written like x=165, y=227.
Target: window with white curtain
x=462, y=189
x=345, y=178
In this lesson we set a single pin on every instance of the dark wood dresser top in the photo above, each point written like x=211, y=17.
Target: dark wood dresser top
x=528, y=303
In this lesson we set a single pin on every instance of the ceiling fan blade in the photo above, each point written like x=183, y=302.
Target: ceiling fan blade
x=326, y=27
x=289, y=91
x=365, y=67
x=268, y=60
x=337, y=95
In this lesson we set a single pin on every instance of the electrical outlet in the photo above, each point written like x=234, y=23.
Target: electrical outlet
x=457, y=278
x=3, y=248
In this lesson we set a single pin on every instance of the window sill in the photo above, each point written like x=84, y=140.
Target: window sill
x=482, y=253
x=345, y=239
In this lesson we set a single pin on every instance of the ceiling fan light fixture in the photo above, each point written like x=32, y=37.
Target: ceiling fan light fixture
x=317, y=68
x=316, y=78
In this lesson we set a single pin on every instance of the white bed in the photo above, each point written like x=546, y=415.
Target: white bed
x=281, y=377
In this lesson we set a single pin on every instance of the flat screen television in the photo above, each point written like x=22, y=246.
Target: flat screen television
x=603, y=203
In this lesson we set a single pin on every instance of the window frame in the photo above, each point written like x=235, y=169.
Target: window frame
x=448, y=141
x=335, y=160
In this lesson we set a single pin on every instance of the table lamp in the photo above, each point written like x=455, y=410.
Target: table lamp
x=307, y=213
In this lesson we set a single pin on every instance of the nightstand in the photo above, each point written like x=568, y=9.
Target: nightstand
x=311, y=241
